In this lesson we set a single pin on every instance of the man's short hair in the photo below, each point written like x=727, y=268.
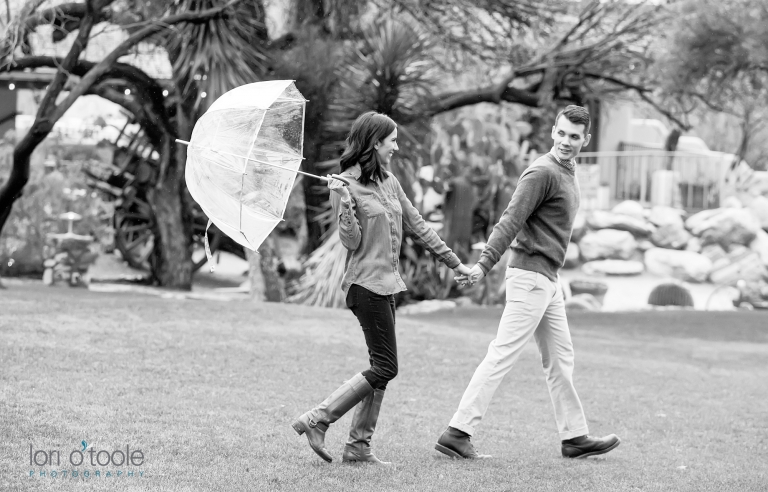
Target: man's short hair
x=577, y=115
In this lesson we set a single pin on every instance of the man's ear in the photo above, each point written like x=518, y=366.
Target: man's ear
x=553, y=131
x=587, y=139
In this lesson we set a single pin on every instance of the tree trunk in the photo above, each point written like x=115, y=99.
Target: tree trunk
x=315, y=192
x=172, y=252
x=12, y=189
x=255, y=277
x=670, y=145
x=269, y=260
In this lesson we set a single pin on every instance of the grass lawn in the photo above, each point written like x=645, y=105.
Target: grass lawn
x=207, y=390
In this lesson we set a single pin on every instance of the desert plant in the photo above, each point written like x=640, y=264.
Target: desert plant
x=324, y=269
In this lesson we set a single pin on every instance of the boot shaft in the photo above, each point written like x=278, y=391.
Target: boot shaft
x=365, y=418
x=342, y=400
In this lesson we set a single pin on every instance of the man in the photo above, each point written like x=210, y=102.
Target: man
x=537, y=226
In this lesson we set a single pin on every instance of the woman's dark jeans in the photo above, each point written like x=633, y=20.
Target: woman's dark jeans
x=376, y=314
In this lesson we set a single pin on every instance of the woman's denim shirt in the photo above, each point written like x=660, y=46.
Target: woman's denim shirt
x=371, y=227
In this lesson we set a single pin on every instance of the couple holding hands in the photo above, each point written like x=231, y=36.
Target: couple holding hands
x=372, y=212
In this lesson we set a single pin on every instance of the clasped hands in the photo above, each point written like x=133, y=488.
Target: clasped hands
x=468, y=276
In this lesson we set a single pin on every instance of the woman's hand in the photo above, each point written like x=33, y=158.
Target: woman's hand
x=468, y=276
x=475, y=274
x=338, y=186
x=462, y=273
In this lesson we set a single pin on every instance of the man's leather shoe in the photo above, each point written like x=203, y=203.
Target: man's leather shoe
x=583, y=446
x=455, y=444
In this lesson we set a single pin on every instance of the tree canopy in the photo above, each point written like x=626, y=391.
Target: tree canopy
x=716, y=58
x=402, y=57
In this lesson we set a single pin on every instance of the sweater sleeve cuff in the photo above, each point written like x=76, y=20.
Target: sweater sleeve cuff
x=485, y=265
x=453, y=261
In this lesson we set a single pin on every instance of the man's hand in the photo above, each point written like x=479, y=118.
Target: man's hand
x=468, y=276
x=462, y=272
x=475, y=275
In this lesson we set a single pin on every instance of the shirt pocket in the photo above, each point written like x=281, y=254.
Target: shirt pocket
x=394, y=202
x=370, y=206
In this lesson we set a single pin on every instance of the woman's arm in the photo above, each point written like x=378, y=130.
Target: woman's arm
x=415, y=224
x=350, y=231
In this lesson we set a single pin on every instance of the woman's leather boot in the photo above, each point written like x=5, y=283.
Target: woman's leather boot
x=315, y=422
x=358, y=447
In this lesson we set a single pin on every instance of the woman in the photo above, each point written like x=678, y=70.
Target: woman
x=371, y=211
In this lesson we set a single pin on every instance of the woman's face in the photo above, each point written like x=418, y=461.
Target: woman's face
x=387, y=147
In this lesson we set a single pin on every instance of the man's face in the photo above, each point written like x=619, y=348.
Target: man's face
x=569, y=138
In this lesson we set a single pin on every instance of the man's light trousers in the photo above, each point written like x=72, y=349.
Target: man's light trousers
x=535, y=307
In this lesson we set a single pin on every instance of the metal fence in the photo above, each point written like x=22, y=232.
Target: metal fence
x=692, y=181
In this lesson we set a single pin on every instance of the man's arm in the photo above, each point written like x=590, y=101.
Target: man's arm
x=534, y=185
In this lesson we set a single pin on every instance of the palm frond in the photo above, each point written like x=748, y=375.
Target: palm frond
x=320, y=285
x=218, y=55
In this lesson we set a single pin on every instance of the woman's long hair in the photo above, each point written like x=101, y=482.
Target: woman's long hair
x=368, y=130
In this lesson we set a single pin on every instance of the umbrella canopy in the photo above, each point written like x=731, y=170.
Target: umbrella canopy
x=243, y=158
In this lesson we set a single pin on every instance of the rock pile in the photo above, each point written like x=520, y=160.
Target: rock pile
x=720, y=245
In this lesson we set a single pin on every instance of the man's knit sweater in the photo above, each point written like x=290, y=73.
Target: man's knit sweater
x=538, y=221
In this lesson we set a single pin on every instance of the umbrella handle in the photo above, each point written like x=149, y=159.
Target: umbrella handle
x=340, y=178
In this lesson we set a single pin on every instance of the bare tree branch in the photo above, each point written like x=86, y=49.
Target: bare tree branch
x=103, y=66
x=643, y=93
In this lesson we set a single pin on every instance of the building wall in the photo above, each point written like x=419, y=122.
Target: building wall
x=615, y=117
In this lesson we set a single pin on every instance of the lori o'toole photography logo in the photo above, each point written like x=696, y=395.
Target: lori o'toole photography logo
x=86, y=461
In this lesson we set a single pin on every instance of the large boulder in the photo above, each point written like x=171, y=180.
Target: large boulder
x=716, y=254
x=742, y=264
x=694, y=244
x=600, y=219
x=670, y=232
x=760, y=246
x=630, y=208
x=724, y=226
x=571, y=256
x=612, y=267
x=731, y=202
x=672, y=236
x=644, y=245
x=579, y=227
x=759, y=206
x=607, y=244
x=683, y=265
x=661, y=216
x=582, y=302
x=588, y=287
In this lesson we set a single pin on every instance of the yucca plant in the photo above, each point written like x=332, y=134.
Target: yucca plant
x=388, y=71
x=321, y=283
x=214, y=57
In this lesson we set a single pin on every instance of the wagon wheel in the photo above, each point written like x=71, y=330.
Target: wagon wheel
x=134, y=236
x=135, y=239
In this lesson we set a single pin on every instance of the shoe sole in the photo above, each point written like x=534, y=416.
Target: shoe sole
x=449, y=452
x=299, y=428
x=595, y=453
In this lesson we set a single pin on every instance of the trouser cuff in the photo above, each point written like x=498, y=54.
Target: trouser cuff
x=583, y=431
x=462, y=427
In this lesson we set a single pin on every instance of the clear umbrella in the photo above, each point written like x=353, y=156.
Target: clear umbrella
x=243, y=157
